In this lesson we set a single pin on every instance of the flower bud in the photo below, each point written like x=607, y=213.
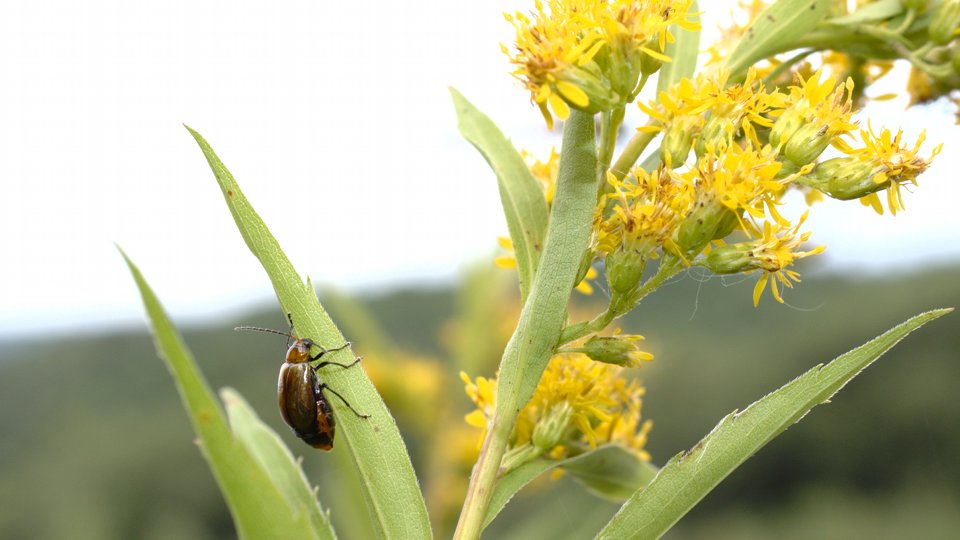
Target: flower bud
x=731, y=259
x=624, y=270
x=552, y=428
x=705, y=223
x=716, y=133
x=678, y=139
x=843, y=178
x=807, y=143
x=789, y=122
x=944, y=23
x=650, y=64
x=620, y=350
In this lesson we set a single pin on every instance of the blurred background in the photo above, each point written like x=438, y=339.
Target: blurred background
x=336, y=120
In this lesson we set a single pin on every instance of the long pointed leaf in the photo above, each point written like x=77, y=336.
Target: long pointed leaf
x=261, y=507
x=689, y=476
x=775, y=30
x=266, y=447
x=396, y=506
x=523, y=203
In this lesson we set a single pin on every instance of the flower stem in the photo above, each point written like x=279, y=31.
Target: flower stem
x=635, y=146
x=668, y=268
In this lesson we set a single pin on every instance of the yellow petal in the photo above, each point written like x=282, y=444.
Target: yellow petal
x=573, y=93
x=559, y=106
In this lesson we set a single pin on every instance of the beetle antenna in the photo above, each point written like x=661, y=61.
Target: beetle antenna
x=267, y=330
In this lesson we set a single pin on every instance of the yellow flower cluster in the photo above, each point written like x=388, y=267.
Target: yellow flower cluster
x=590, y=55
x=579, y=403
x=750, y=145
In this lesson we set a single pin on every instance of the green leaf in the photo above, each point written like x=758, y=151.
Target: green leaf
x=611, y=472
x=264, y=503
x=776, y=30
x=545, y=310
x=683, y=53
x=880, y=10
x=390, y=487
x=523, y=203
x=509, y=484
x=690, y=475
x=267, y=448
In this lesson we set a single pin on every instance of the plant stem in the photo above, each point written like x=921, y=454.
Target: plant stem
x=635, y=146
x=670, y=266
x=544, y=311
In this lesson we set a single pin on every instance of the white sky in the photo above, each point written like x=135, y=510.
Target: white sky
x=335, y=119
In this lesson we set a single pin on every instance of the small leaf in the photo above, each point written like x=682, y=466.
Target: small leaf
x=689, y=476
x=267, y=448
x=394, y=501
x=523, y=202
x=509, y=484
x=775, y=30
x=611, y=472
x=261, y=506
x=683, y=53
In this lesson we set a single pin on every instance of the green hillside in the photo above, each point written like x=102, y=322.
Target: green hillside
x=95, y=443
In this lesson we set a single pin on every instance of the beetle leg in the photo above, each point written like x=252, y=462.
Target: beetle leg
x=351, y=364
x=345, y=402
x=325, y=351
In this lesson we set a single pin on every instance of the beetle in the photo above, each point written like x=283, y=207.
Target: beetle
x=303, y=405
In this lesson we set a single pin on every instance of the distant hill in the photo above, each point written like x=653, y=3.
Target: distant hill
x=95, y=444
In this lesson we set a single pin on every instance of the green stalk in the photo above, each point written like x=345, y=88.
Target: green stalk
x=669, y=268
x=631, y=153
x=543, y=314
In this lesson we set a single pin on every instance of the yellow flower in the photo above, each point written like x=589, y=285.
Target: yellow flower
x=775, y=249
x=588, y=54
x=883, y=163
x=817, y=114
x=590, y=397
x=646, y=209
x=553, y=58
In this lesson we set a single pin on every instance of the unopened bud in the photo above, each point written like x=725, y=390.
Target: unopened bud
x=843, y=179
x=944, y=23
x=705, y=223
x=678, y=139
x=620, y=350
x=552, y=428
x=716, y=133
x=650, y=64
x=732, y=259
x=624, y=270
x=789, y=122
x=807, y=143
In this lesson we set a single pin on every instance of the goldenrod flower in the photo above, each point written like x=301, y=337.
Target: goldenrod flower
x=773, y=252
x=577, y=403
x=738, y=180
x=817, y=114
x=882, y=163
x=646, y=209
x=618, y=349
x=588, y=54
x=554, y=58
